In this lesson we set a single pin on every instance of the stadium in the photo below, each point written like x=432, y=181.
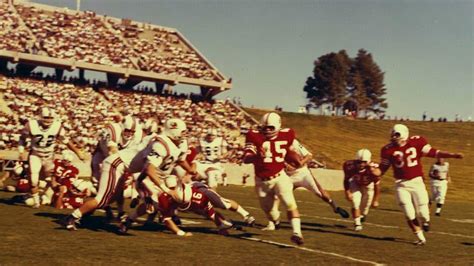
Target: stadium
x=99, y=78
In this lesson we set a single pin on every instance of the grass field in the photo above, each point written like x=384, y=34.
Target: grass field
x=33, y=236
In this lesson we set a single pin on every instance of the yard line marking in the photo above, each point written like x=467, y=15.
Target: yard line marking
x=373, y=224
x=467, y=221
x=450, y=234
x=311, y=250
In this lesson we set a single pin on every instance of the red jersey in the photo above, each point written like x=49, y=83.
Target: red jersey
x=406, y=160
x=362, y=177
x=271, y=152
x=191, y=154
x=199, y=204
x=64, y=174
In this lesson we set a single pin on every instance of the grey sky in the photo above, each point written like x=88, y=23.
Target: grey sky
x=426, y=48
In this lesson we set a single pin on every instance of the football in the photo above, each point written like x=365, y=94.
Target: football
x=293, y=158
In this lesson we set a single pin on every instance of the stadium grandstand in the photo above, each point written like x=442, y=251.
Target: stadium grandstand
x=128, y=52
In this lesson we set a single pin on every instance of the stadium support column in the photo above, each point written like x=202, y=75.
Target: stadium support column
x=130, y=83
x=207, y=93
x=59, y=73
x=82, y=78
x=112, y=80
x=160, y=87
x=24, y=69
x=3, y=65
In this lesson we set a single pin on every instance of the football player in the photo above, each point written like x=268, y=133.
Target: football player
x=115, y=137
x=155, y=160
x=69, y=191
x=404, y=154
x=189, y=198
x=214, y=149
x=360, y=178
x=266, y=149
x=44, y=133
x=439, y=178
x=302, y=177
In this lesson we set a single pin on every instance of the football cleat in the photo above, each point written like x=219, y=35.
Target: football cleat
x=134, y=202
x=420, y=242
x=358, y=227
x=109, y=214
x=176, y=219
x=426, y=226
x=438, y=214
x=363, y=218
x=297, y=239
x=125, y=225
x=343, y=213
x=70, y=223
x=249, y=220
x=272, y=226
x=122, y=217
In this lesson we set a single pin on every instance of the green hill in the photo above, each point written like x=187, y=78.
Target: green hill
x=336, y=139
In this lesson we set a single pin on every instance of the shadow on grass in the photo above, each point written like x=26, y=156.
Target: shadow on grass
x=90, y=222
x=16, y=199
x=467, y=243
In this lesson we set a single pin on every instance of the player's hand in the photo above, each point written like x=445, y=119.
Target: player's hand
x=23, y=156
x=348, y=195
x=458, y=155
x=188, y=234
x=375, y=204
x=81, y=156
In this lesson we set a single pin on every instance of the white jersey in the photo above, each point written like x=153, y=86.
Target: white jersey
x=301, y=151
x=441, y=169
x=112, y=136
x=44, y=141
x=213, y=150
x=161, y=152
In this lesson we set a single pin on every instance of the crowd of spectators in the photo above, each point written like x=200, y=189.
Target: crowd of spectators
x=88, y=37
x=84, y=111
x=13, y=36
x=82, y=36
x=161, y=50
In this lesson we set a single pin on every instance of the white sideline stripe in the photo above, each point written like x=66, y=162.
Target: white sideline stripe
x=311, y=250
x=376, y=225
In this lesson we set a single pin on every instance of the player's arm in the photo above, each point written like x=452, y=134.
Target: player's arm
x=429, y=151
x=385, y=162
x=58, y=204
x=154, y=161
x=432, y=172
x=189, y=168
x=347, y=177
x=375, y=200
x=174, y=228
x=24, y=134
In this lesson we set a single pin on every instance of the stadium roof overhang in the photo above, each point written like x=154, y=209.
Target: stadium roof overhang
x=125, y=73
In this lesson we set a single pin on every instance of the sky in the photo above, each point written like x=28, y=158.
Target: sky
x=425, y=47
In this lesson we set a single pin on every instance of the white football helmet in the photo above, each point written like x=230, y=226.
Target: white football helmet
x=46, y=117
x=129, y=125
x=67, y=156
x=151, y=125
x=364, y=155
x=184, y=193
x=211, y=134
x=270, y=124
x=399, y=133
x=174, y=128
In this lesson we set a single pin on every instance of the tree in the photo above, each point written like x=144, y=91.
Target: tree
x=329, y=82
x=339, y=80
x=371, y=82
